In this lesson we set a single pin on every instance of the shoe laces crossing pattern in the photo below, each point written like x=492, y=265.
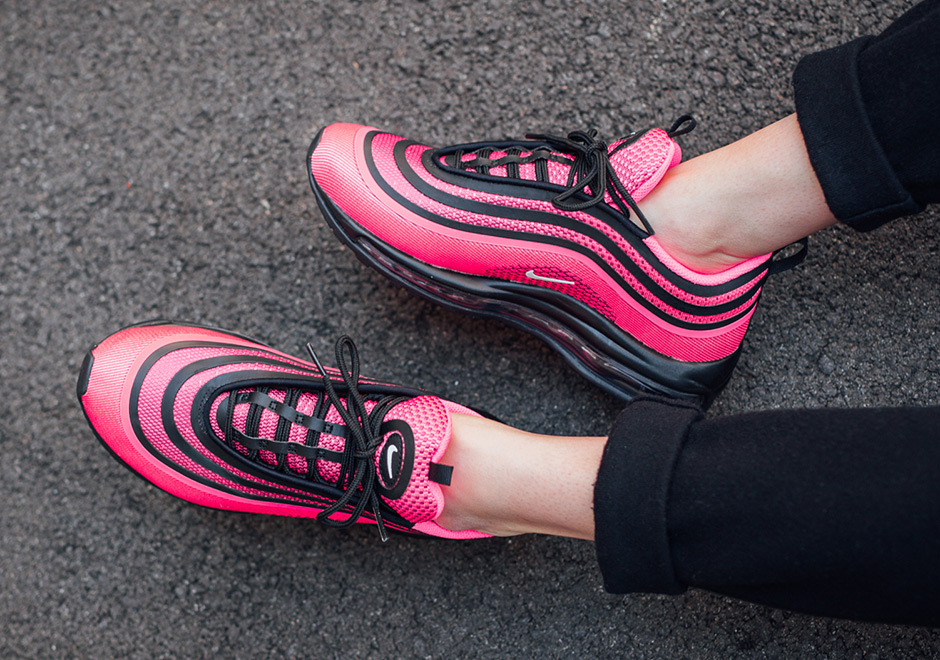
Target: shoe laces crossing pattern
x=591, y=177
x=360, y=429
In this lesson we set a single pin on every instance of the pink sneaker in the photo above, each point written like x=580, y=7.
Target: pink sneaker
x=225, y=422
x=541, y=233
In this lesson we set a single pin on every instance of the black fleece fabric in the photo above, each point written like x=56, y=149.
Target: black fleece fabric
x=868, y=112
x=828, y=512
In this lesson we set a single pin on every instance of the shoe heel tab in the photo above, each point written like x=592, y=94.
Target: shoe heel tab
x=793, y=256
x=682, y=125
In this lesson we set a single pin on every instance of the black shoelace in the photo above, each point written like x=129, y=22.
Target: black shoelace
x=590, y=176
x=360, y=430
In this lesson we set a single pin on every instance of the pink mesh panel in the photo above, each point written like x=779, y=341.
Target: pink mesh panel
x=239, y=420
x=298, y=433
x=430, y=422
x=577, y=289
x=558, y=173
x=390, y=173
x=458, y=409
x=642, y=165
x=431, y=527
x=267, y=425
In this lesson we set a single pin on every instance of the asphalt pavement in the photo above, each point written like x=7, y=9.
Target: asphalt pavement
x=153, y=166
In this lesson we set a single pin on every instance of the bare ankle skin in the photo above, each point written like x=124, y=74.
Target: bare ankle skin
x=746, y=199
x=509, y=482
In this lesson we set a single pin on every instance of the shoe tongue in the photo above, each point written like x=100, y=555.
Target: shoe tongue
x=640, y=166
x=415, y=433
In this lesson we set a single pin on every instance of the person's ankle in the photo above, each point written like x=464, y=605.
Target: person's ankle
x=478, y=473
x=744, y=200
x=508, y=482
x=686, y=230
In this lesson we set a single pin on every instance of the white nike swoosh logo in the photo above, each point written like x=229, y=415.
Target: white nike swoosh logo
x=531, y=275
x=388, y=459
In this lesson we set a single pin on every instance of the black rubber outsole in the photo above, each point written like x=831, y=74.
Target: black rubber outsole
x=593, y=346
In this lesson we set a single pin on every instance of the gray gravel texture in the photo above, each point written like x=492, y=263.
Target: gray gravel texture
x=153, y=166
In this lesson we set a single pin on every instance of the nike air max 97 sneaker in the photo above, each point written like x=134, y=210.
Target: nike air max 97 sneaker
x=546, y=234
x=225, y=422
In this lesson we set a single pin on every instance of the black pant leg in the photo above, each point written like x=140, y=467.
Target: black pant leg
x=868, y=111
x=828, y=512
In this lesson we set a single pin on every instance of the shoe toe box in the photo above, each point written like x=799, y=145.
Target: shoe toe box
x=112, y=392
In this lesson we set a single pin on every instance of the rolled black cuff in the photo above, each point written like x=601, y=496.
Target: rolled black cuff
x=632, y=494
x=859, y=182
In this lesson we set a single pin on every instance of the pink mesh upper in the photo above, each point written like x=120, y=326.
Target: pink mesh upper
x=339, y=165
x=117, y=361
x=430, y=423
x=382, y=149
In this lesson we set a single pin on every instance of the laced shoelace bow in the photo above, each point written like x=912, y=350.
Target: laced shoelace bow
x=591, y=176
x=362, y=435
x=364, y=439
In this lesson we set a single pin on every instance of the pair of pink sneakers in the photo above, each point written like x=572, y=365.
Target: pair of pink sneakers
x=544, y=233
